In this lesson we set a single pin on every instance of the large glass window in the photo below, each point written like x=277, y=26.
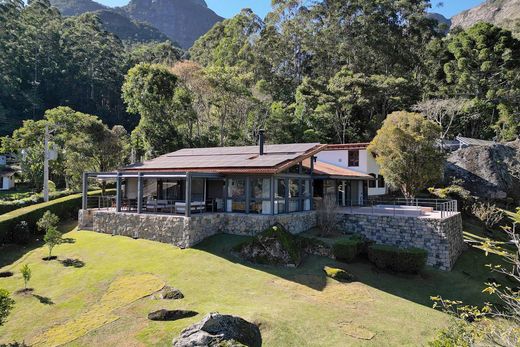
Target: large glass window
x=236, y=195
x=353, y=158
x=197, y=190
x=372, y=183
x=280, y=196
x=260, y=196
x=381, y=181
x=294, y=195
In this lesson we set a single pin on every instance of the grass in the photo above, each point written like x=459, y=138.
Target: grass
x=102, y=304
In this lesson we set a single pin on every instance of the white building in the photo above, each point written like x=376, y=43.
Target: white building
x=353, y=158
x=6, y=174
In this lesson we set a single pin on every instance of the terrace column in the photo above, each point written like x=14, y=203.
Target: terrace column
x=273, y=187
x=84, y=201
x=312, y=183
x=188, y=195
x=118, y=193
x=248, y=194
x=140, y=193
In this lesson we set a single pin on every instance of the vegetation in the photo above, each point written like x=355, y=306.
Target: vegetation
x=327, y=215
x=52, y=238
x=405, y=149
x=338, y=274
x=306, y=302
x=48, y=220
x=6, y=305
x=26, y=274
x=490, y=324
x=21, y=233
x=347, y=249
x=397, y=259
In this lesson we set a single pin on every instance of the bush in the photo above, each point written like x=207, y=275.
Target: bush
x=348, y=249
x=64, y=208
x=22, y=233
x=8, y=205
x=6, y=305
x=410, y=260
x=338, y=274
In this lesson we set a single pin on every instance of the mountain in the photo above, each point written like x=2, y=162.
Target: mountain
x=129, y=30
x=184, y=21
x=76, y=7
x=503, y=13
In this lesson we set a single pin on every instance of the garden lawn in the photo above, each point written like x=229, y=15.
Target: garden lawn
x=102, y=303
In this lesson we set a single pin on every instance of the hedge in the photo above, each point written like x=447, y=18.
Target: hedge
x=11, y=205
x=348, y=249
x=410, y=260
x=64, y=208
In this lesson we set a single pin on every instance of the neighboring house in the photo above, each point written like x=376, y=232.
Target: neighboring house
x=188, y=195
x=6, y=174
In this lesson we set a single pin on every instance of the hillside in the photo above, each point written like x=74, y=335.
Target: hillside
x=184, y=21
x=76, y=7
x=181, y=21
x=129, y=30
x=504, y=13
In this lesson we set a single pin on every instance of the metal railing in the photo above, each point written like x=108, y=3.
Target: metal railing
x=401, y=206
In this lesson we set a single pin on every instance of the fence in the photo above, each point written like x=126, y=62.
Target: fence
x=401, y=206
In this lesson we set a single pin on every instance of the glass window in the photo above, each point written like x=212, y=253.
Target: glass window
x=294, y=188
x=260, y=188
x=353, y=158
x=237, y=189
x=280, y=188
x=307, y=188
x=197, y=190
x=381, y=181
x=372, y=183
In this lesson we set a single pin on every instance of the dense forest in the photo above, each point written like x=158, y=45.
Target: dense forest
x=328, y=72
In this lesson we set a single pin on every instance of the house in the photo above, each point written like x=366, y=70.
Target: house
x=188, y=195
x=6, y=174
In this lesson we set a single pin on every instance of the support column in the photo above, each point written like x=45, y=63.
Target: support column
x=273, y=190
x=344, y=193
x=286, y=181
x=118, y=193
x=188, y=195
x=248, y=194
x=140, y=193
x=312, y=183
x=84, y=196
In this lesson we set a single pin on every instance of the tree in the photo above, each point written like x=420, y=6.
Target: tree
x=154, y=53
x=26, y=274
x=52, y=238
x=405, y=149
x=48, y=220
x=442, y=112
x=6, y=305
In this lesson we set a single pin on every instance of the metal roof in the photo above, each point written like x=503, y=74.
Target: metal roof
x=244, y=159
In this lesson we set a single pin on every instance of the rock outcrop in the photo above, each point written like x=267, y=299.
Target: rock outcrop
x=503, y=13
x=487, y=171
x=170, y=315
x=220, y=330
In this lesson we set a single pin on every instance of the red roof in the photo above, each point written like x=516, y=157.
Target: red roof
x=347, y=146
x=334, y=171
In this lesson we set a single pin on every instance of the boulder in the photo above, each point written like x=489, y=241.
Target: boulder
x=220, y=330
x=170, y=293
x=339, y=275
x=170, y=315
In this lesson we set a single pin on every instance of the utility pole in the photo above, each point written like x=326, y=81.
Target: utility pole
x=46, y=165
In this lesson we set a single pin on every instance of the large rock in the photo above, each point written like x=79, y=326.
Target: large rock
x=487, y=171
x=220, y=330
x=170, y=293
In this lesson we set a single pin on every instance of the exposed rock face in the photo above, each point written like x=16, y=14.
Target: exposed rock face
x=488, y=171
x=504, y=13
x=170, y=315
x=169, y=293
x=215, y=329
x=76, y=7
x=184, y=21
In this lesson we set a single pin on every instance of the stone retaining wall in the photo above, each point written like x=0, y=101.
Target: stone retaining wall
x=442, y=238
x=186, y=232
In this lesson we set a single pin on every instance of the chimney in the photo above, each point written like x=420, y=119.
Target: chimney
x=261, y=140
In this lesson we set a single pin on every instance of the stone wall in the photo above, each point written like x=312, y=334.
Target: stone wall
x=185, y=232
x=442, y=238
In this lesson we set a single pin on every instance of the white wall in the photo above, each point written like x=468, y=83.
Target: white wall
x=7, y=182
x=367, y=165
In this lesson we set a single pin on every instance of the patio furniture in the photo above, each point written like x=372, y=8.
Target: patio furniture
x=195, y=206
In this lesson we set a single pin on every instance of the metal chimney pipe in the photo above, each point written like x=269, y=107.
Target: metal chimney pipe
x=261, y=140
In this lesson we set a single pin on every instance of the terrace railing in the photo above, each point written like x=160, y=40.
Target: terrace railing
x=398, y=206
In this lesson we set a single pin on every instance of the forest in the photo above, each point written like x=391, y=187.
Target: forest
x=328, y=71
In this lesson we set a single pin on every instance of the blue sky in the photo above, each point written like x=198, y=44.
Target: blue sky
x=228, y=8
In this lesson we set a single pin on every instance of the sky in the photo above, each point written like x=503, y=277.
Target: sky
x=228, y=8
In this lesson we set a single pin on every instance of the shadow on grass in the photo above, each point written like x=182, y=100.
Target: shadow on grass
x=465, y=282
x=44, y=300
x=77, y=263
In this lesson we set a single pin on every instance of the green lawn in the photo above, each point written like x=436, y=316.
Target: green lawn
x=295, y=307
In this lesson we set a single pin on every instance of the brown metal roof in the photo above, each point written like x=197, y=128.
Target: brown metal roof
x=334, y=171
x=347, y=146
x=244, y=159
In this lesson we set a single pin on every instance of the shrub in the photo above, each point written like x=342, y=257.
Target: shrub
x=348, y=249
x=410, y=260
x=21, y=233
x=6, y=305
x=64, y=208
x=26, y=274
x=48, y=221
